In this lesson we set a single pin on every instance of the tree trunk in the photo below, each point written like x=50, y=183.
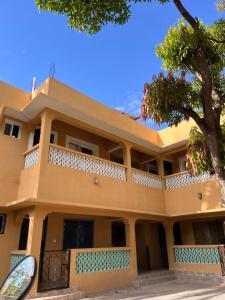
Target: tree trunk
x=215, y=144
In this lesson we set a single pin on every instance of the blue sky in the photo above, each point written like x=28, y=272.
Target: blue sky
x=111, y=66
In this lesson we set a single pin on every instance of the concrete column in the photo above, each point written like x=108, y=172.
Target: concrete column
x=46, y=126
x=170, y=243
x=160, y=166
x=131, y=242
x=127, y=161
x=37, y=216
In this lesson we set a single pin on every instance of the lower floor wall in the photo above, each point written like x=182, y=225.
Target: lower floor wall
x=147, y=240
x=9, y=241
x=100, y=281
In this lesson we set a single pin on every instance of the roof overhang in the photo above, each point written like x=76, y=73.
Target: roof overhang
x=43, y=101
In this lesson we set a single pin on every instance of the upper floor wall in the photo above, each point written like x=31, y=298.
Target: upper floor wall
x=113, y=146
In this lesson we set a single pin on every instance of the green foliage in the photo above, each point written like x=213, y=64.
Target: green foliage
x=198, y=158
x=179, y=48
x=91, y=15
x=167, y=98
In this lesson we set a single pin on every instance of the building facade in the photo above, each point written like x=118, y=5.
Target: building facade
x=98, y=197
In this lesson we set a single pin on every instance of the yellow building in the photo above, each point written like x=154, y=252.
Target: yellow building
x=98, y=197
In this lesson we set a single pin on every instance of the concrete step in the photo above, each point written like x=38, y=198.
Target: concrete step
x=203, y=277
x=60, y=294
x=154, y=277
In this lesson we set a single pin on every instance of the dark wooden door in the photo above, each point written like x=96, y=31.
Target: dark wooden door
x=78, y=234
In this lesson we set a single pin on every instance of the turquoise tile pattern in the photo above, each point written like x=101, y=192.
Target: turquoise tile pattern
x=197, y=255
x=15, y=259
x=98, y=261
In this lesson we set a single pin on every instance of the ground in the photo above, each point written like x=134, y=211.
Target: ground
x=174, y=290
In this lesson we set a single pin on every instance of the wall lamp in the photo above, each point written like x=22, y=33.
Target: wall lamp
x=95, y=180
x=199, y=195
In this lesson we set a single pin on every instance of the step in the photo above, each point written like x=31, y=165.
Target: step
x=154, y=274
x=203, y=277
x=60, y=294
x=155, y=277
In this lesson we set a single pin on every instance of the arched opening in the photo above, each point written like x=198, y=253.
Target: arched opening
x=24, y=229
x=151, y=246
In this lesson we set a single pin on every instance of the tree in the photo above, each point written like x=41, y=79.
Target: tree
x=193, y=55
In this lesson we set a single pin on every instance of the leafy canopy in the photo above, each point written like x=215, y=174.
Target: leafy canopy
x=91, y=15
x=178, y=96
x=198, y=158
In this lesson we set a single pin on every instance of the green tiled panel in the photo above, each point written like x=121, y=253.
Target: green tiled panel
x=15, y=259
x=197, y=255
x=87, y=262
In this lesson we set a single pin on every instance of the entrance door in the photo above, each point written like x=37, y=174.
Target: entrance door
x=78, y=234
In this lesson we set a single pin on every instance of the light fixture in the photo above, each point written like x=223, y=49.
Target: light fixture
x=199, y=195
x=95, y=180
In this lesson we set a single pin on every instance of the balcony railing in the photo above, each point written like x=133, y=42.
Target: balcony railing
x=184, y=179
x=15, y=257
x=86, y=163
x=197, y=254
x=31, y=157
x=101, y=259
x=147, y=179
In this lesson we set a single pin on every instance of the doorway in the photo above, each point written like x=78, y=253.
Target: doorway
x=78, y=234
x=151, y=246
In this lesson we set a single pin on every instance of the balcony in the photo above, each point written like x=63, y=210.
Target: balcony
x=82, y=167
x=86, y=180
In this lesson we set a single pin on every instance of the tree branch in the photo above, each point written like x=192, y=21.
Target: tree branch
x=188, y=17
x=191, y=113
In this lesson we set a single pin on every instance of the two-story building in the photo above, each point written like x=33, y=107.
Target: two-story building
x=97, y=197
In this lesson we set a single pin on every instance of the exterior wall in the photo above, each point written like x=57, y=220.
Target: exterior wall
x=8, y=241
x=184, y=200
x=100, y=281
x=187, y=235
x=64, y=94
x=54, y=237
x=11, y=162
x=67, y=186
x=64, y=129
x=13, y=97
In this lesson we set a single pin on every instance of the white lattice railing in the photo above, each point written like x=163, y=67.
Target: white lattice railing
x=184, y=178
x=31, y=157
x=86, y=163
x=147, y=179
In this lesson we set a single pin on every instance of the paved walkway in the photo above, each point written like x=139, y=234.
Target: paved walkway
x=174, y=290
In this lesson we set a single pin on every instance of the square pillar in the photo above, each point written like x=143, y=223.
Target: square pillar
x=46, y=126
x=127, y=161
x=37, y=216
x=131, y=242
x=170, y=243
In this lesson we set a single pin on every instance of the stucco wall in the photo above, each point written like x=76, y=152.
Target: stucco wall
x=55, y=228
x=11, y=162
x=8, y=241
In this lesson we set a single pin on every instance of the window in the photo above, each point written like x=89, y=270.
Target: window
x=2, y=223
x=12, y=129
x=182, y=163
x=81, y=146
x=35, y=137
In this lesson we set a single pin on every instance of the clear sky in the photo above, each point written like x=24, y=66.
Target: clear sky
x=111, y=66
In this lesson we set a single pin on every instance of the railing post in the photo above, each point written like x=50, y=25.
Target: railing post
x=127, y=161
